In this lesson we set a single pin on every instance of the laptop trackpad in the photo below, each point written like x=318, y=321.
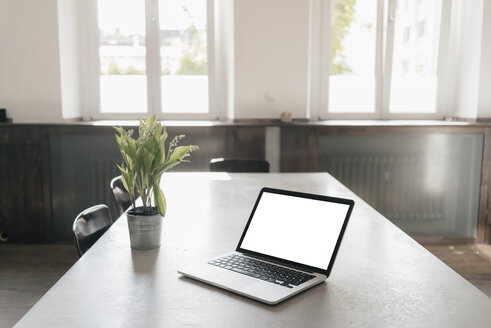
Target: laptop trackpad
x=234, y=280
x=218, y=276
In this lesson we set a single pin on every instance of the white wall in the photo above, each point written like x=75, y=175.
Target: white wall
x=469, y=63
x=69, y=41
x=223, y=41
x=29, y=61
x=484, y=100
x=270, y=64
x=271, y=58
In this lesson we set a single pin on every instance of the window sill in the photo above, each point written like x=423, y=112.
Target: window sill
x=268, y=122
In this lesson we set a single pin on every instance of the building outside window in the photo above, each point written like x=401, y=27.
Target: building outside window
x=383, y=58
x=154, y=57
x=380, y=59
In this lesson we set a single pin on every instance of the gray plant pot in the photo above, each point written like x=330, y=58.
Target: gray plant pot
x=145, y=230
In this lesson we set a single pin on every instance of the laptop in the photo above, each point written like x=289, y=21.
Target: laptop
x=288, y=245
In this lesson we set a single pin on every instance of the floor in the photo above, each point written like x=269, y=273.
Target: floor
x=28, y=271
x=473, y=262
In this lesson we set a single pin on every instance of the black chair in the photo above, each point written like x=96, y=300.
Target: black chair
x=89, y=226
x=121, y=196
x=238, y=165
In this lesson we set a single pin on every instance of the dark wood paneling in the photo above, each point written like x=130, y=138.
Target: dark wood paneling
x=26, y=194
x=25, y=188
x=22, y=201
x=20, y=135
x=246, y=142
x=46, y=187
x=484, y=222
x=21, y=193
x=299, y=150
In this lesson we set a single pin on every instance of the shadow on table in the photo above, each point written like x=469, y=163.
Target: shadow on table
x=144, y=261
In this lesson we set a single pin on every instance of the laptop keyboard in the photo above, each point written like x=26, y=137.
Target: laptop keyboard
x=262, y=270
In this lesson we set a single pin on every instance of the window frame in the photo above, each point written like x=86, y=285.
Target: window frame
x=153, y=63
x=319, y=62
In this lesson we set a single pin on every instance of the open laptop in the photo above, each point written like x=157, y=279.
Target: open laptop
x=288, y=245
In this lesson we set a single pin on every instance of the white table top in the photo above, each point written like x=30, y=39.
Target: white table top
x=381, y=278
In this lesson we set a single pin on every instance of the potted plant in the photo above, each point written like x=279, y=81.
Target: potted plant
x=144, y=161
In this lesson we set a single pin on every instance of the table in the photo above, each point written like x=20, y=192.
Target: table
x=381, y=278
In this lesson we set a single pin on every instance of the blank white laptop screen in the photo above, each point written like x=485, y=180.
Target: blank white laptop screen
x=297, y=229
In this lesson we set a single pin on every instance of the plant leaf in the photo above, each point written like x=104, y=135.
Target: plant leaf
x=131, y=150
x=126, y=179
x=159, y=197
x=181, y=151
x=147, y=160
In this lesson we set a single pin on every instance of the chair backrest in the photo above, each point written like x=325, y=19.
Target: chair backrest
x=121, y=196
x=90, y=225
x=238, y=165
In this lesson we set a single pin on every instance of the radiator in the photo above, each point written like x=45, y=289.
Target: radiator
x=395, y=185
x=427, y=184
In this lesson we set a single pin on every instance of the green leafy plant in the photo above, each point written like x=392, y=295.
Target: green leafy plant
x=144, y=161
x=342, y=16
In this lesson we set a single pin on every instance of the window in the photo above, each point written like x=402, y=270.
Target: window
x=382, y=59
x=405, y=66
x=421, y=28
x=352, y=56
x=184, y=56
x=407, y=34
x=414, y=91
x=153, y=57
x=122, y=53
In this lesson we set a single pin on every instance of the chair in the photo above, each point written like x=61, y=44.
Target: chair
x=90, y=225
x=121, y=196
x=238, y=165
